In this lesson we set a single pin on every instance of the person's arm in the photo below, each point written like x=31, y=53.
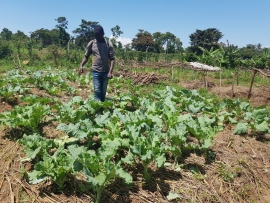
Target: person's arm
x=86, y=56
x=111, y=68
x=112, y=59
x=84, y=61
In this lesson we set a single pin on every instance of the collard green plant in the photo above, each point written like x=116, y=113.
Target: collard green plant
x=27, y=118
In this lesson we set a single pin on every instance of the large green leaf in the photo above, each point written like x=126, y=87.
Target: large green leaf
x=241, y=128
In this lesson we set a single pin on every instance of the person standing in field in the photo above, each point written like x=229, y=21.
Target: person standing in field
x=102, y=62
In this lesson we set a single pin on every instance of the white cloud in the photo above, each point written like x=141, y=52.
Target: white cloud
x=123, y=40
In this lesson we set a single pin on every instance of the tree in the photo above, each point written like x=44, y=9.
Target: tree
x=64, y=37
x=19, y=39
x=263, y=59
x=46, y=37
x=228, y=57
x=84, y=33
x=143, y=41
x=250, y=51
x=62, y=23
x=5, y=49
x=206, y=39
x=6, y=34
x=173, y=43
x=159, y=40
x=166, y=42
x=210, y=57
x=19, y=35
x=116, y=32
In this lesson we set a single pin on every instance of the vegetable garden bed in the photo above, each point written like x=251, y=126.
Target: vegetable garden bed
x=58, y=145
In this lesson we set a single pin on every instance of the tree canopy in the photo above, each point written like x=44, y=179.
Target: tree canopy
x=6, y=34
x=62, y=22
x=84, y=33
x=205, y=38
x=64, y=37
x=116, y=32
x=166, y=42
x=46, y=37
x=142, y=41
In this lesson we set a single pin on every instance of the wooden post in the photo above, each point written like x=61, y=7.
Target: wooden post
x=206, y=83
x=176, y=73
x=220, y=78
x=237, y=76
x=19, y=61
x=233, y=95
x=204, y=79
x=172, y=72
x=252, y=80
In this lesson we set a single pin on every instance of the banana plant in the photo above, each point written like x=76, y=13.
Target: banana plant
x=209, y=57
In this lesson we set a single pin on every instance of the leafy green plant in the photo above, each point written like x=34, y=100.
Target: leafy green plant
x=227, y=173
x=35, y=146
x=98, y=167
x=57, y=167
x=28, y=118
x=11, y=92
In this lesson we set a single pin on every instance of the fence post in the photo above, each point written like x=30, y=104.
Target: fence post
x=172, y=72
x=252, y=80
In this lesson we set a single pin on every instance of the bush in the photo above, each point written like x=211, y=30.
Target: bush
x=191, y=57
x=5, y=50
x=141, y=56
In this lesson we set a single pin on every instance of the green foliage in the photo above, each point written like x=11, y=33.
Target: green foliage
x=11, y=92
x=46, y=37
x=85, y=33
x=141, y=56
x=57, y=167
x=116, y=32
x=62, y=22
x=5, y=49
x=130, y=128
x=227, y=173
x=173, y=44
x=205, y=38
x=98, y=167
x=5, y=34
x=28, y=118
x=142, y=41
x=250, y=51
x=191, y=57
x=35, y=146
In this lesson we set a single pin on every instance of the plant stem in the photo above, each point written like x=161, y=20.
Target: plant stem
x=99, y=192
x=145, y=172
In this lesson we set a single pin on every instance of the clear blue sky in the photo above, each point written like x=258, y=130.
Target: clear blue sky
x=241, y=21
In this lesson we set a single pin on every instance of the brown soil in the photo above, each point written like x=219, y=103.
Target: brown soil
x=259, y=95
x=4, y=106
x=239, y=173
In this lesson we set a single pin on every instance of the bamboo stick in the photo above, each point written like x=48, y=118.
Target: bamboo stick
x=252, y=80
x=172, y=72
x=220, y=78
x=233, y=95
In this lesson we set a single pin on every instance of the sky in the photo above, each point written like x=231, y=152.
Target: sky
x=242, y=22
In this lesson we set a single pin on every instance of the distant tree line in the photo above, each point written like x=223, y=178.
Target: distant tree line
x=205, y=45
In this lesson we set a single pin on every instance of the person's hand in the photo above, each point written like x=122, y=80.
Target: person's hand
x=109, y=75
x=80, y=71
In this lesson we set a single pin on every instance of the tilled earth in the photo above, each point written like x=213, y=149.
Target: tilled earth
x=240, y=171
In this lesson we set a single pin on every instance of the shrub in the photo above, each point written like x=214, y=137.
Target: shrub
x=5, y=50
